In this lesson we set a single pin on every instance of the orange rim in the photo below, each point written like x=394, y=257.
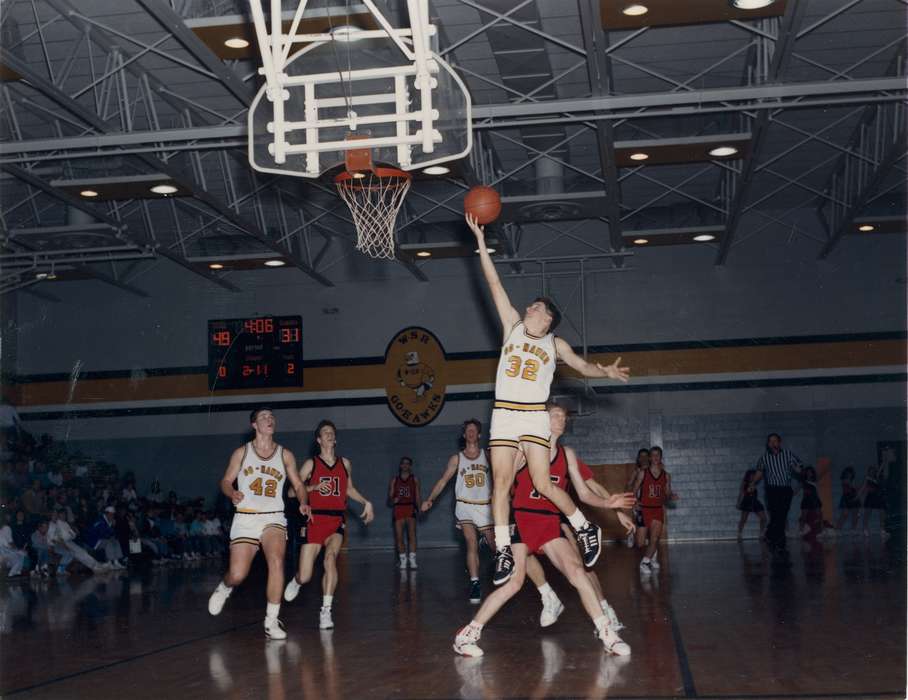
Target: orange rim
x=379, y=172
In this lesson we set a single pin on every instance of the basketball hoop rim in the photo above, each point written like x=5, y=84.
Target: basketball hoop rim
x=348, y=177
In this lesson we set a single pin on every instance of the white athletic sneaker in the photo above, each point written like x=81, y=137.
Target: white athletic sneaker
x=413, y=561
x=403, y=561
x=654, y=563
x=292, y=590
x=324, y=619
x=646, y=566
x=465, y=642
x=218, y=599
x=613, y=621
x=274, y=628
x=612, y=642
x=552, y=607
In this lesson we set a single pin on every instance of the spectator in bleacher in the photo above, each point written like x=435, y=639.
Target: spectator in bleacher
x=61, y=538
x=129, y=492
x=151, y=534
x=155, y=495
x=216, y=532
x=102, y=537
x=41, y=550
x=10, y=555
x=55, y=476
x=34, y=500
x=182, y=534
x=200, y=542
x=22, y=530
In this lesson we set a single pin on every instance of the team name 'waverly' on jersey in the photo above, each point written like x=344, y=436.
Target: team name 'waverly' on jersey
x=261, y=481
x=525, y=370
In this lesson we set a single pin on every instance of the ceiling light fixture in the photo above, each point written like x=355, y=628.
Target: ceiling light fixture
x=866, y=228
x=436, y=170
x=216, y=266
x=275, y=263
x=423, y=254
x=236, y=42
x=163, y=189
x=639, y=156
x=703, y=237
x=635, y=10
x=723, y=151
x=641, y=241
x=40, y=275
x=490, y=251
x=88, y=193
x=751, y=4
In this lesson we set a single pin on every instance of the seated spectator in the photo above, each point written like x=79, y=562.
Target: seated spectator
x=151, y=536
x=155, y=495
x=10, y=555
x=215, y=532
x=55, y=476
x=103, y=537
x=34, y=500
x=61, y=539
x=129, y=492
x=22, y=530
x=41, y=550
x=181, y=531
x=200, y=543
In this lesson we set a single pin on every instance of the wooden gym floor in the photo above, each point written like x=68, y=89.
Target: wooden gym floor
x=719, y=620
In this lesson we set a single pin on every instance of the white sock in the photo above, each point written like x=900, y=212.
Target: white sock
x=474, y=578
x=601, y=623
x=412, y=555
x=403, y=557
x=578, y=520
x=605, y=606
x=646, y=560
x=475, y=625
x=271, y=611
x=224, y=588
x=502, y=536
x=545, y=589
x=655, y=555
x=326, y=601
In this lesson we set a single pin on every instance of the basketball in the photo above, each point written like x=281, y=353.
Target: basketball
x=483, y=203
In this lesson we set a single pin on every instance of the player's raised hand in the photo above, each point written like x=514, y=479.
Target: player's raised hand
x=478, y=231
x=368, y=515
x=614, y=371
x=627, y=523
x=426, y=504
x=621, y=500
x=236, y=497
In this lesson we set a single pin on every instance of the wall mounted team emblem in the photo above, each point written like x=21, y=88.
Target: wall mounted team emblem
x=415, y=376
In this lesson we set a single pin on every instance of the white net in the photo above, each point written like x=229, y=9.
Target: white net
x=374, y=198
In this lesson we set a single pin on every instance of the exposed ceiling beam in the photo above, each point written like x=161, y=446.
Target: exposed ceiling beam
x=781, y=54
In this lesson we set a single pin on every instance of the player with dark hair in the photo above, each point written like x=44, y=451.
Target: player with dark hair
x=403, y=492
x=329, y=482
x=260, y=469
x=655, y=487
x=520, y=423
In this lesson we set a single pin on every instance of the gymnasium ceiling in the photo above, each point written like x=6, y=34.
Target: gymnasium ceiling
x=124, y=94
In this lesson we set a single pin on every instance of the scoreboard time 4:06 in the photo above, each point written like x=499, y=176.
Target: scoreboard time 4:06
x=255, y=353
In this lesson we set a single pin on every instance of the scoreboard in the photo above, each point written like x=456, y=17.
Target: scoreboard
x=255, y=353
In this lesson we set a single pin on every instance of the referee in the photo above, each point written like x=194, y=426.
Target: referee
x=777, y=466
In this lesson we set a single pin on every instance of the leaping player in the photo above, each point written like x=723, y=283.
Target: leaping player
x=538, y=529
x=329, y=481
x=520, y=422
x=473, y=514
x=259, y=468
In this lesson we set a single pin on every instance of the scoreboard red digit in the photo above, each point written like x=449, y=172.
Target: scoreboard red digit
x=255, y=353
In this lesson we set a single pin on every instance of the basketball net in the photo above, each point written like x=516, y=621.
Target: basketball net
x=374, y=197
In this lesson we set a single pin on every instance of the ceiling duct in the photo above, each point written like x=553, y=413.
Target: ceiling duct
x=551, y=202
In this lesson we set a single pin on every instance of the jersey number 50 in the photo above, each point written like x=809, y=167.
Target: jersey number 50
x=477, y=480
x=530, y=368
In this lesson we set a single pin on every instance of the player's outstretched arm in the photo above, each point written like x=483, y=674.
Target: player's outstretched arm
x=368, y=514
x=506, y=312
x=584, y=492
x=450, y=471
x=233, y=471
x=293, y=474
x=590, y=369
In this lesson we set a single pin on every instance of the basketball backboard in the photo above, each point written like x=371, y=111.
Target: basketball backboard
x=385, y=87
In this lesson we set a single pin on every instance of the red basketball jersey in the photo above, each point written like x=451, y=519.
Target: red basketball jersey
x=652, y=490
x=526, y=497
x=331, y=483
x=404, y=491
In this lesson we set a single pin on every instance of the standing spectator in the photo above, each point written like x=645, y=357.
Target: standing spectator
x=10, y=555
x=102, y=537
x=777, y=466
x=61, y=538
x=749, y=502
x=850, y=502
x=875, y=490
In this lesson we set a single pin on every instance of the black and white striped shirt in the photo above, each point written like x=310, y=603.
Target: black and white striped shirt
x=778, y=468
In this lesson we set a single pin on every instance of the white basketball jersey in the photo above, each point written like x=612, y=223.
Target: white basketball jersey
x=261, y=481
x=525, y=370
x=474, y=479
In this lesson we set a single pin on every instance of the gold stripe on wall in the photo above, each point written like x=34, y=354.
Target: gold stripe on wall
x=643, y=363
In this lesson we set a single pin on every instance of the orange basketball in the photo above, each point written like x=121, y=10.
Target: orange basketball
x=483, y=203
